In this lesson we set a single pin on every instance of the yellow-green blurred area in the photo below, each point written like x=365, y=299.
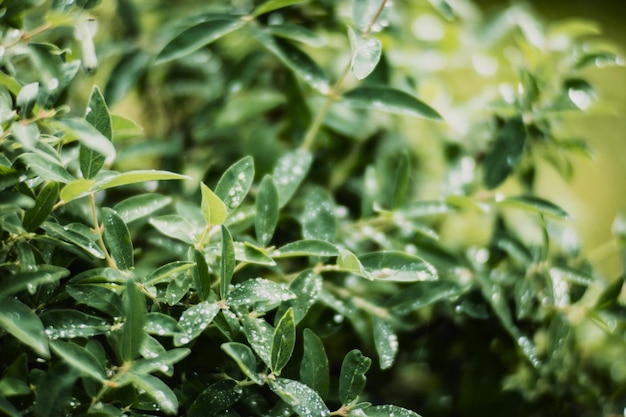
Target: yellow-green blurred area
x=595, y=195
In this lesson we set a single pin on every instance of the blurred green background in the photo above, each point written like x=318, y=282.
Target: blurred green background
x=596, y=194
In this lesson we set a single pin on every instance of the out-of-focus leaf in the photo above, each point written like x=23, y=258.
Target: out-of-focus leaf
x=366, y=53
x=304, y=400
x=227, y=262
x=314, y=370
x=609, y=296
x=306, y=247
x=44, y=203
x=297, y=33
x=352, y=377
x=401, y=182
x=272, y=5
x=140, y=206
x=289, y=172
x=89, y=137
x=26, y=100
x=77, y=188
x=195, y=37
x=79, y=358
x=247, y=252
x=124, y=76
x=235, y=183
x=535, y=204
x=213, y=208
x=506, y=151
x=46, y=167
x=575, y=276
x=386, y=342
x=389, y=100
x=296, y=60
x=397, y=266
x=175, y=226
x=135, y=312
x=194, y=320
x=31, y=279
x=158, y=390
x=422, y=294
x=54, y=391
x=124, y=128
x=7, y=408
x=266, y=211
x=134, y=177
x=283, y=342
x=117, y=238
x=23, y=324
x=216, y=398
x=364, y=12
x=349, y=262
x=244, y=357
x=318, y=219
x=167, y=272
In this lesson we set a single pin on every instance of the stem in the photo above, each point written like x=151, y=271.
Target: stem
x=359, y=302
x=369, y=28
x=99, y=229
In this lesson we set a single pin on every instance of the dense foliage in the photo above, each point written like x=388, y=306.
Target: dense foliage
x=332, y=210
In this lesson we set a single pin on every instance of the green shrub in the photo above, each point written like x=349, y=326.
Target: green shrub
x=293, y=210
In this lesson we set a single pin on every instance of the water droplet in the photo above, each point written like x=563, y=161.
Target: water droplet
x=53, y=84
x=428, y=27
x=338, y=318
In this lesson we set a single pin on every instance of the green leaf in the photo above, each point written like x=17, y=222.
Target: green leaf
x=364, y=12
x=283, y=342
x=134, y=177
x=397, y=266
x=200, y=273
x=297, y=33
x=30, y=279
x=306, y=247
x=366, y=53
x=609, y=296
x=401, y=182
x=247, y=252
x=272, y=5
x=386, y=342
x=162, y=362
x=124, y=128
x=575, y=276
x=535, y=204
x=422, y=294
x=194, y=320
x=389, y=100
x=318, y=219
x=161, y=324
x=177, y=288
x=296, y=60
x=213, y=208
x=195, y=37
x=506, y=152
x=314, y=370
x=158, y=390
x=26, y=100
x=308, y=286
x=135, y=312
x=79, y=358
x=167, y=272
x=289, y=172
x=46, y=167
x=75, y=189
x=124, y=76
x=259, y=334
x=117, y=238
x=89, y=137
x=352, y=377
x=304, y=401
x=349, y=262
x=99, y=117
x=227, y=262
x=266, y=211
x=140, y=206
x=7, y=408
x=54, y=391
x=69, y=324
x=175, y=226
x=235, y=183
x=389, y=410
x=216, y=398
x=258, y=290
x=245, y=359
x=98, y=297
x=23, y=324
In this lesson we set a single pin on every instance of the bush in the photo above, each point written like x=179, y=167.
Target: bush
x=272, y=230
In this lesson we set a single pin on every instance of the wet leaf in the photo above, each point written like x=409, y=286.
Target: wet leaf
x=235, y=183
x=314, y=370
x=506, y=152
x=162, y=362
x=289, y=172
x=175, y=226
x=135, y=312
x=213, y=208
x=389, y=410
x=258, y=290
x=196, y=37
x=366, y=53
x=216, y=398
x=200, y=273
x=352, y=377
x=283, y=342
x=79, y=358
x=422, y=294
x=318, y=219
x=69, y=324
x=117, y=238
x=308, y=286
x=46, y=199
x=397, y=266
x=306, y=247
x=266, y=211
x=304, y=401
x=259, y=334
x=89, y=137
x=244, y=357
x=167, y=272
x=161, y=325
x=91, y=161
x=98, y=297
x=54, y=391
x=194, y=320
x=158, y=390
x=140, y=206
x=31, y=279
x=23, y=324
x=227, y=262
x=386, y=342
x=389, y=100
x=272, y=5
